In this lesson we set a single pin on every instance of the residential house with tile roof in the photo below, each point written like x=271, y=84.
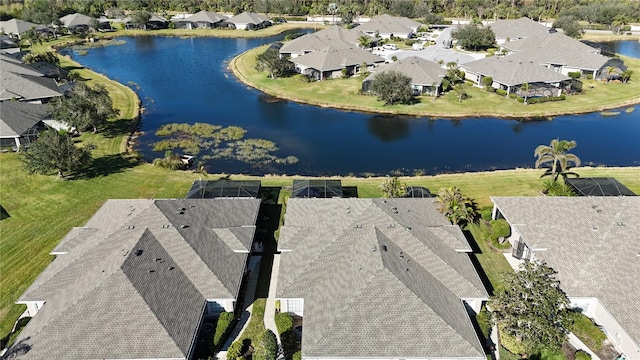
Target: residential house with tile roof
x=76, y=22
x=136, y=281
x=248, y=21
x=387, y=26
x=515, y=29
x=200, y=20
x=593, y=242
x=378, y=279
x=426, y=76
x=330, y=62
x=509, y=73
x=334, y=36
x=20, y=123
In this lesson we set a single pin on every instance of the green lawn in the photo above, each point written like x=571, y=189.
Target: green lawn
x=343, y=93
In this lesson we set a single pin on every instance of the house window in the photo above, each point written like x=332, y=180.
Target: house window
x=295, y=306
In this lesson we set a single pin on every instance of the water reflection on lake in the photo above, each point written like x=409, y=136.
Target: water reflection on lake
x=186, y=80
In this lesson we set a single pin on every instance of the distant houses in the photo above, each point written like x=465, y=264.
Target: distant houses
x=200, y=20
x=248, y=21
x=16, y=28
x=387, y=26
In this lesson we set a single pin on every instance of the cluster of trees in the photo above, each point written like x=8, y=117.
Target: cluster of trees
x=474, y=37
x=592, y=11
x=85, y=107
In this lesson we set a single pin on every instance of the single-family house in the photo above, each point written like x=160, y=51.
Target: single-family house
x=200, y=20
x=248, y=21
x=426, y=76
x=377, y=279
x=334, y=36
x=137, y=280
x=23, y=82
x=16, y=27
x=155, y=22
x=20, y=123
x=387, y=26
x=515, y=29
x=592, y=243
x=77, y=23
x=564, y=54
x=509, y=73
x=330, y=62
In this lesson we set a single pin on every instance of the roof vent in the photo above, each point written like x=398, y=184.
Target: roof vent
x=384, y=247
x=408, y=227
x=158, y=259
x=594, y=229
x=184, y=226
x=130, y=227
x=138, y=252
x=391, y=226
x=401, y=255
x=171, y=267
x=620, y=223
x=151, y=271
x=374, y=248
x=357, y=226
x=180, y=212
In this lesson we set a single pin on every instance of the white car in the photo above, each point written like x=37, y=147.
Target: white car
x=390, y=47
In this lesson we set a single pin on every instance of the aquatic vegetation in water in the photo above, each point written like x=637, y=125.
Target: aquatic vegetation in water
x=209, y=142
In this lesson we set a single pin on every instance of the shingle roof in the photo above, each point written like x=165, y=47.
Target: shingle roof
x=592, y=242
x=558, y=49
x=17, y=26
x=8, y=63
x=205, y=16
x=518, y=28
x=377, y=279
x=513, y=70
x=335, y=36
x=76, y=20
x=332, y=58
x=26, y=87
x=18, y=117
x=421, y=71
x=133, y=282
x=247, y=18
x=387, y=24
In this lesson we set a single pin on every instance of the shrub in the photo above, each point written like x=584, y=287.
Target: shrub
x=170, y=161
x=267, y=348
x=582, y=355
x=235, y=350
x=297, y=356
x=546, y=99
x=510, y=342
x=483, y=318
x=512, y=96
x=485, y=213
x=284, y=322
x=410, y=42
x=225, y=320
x=574, y=74
x=589, y=76
x=501, y=92
x=500, y=228
x=588, y=332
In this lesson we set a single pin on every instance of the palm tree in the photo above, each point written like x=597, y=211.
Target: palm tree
x=556, y=153
x=364, y=41
x=458, y=208
x=610, y=71
x=626, y=75
x=525, y=89
x=393, y=188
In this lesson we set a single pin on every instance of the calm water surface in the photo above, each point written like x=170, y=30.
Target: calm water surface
x=186, y=80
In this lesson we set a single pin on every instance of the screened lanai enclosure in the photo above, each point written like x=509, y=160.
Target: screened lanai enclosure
x=418, y=192
x=205, y=189
x=317, y=189
x=598, y=187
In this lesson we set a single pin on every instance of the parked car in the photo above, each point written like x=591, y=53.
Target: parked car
x=390, y=47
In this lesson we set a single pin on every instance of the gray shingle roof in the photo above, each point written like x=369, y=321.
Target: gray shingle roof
x=387, y=24
x=76, y=19
x=26, y=87
x=132, y=283
x=421, y=71
x=518, y=28
x=592, y=242
x=205, y=16
x=332, y=58
x=247, y=18
x=558, y=49
x=17, y=26
x=18, y=117
x=514, y=70
x=377, y=279
x=335, y=36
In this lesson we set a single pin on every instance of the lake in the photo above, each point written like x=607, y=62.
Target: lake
x=186, y=80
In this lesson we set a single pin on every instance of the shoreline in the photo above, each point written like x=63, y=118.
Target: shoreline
x=523, y=116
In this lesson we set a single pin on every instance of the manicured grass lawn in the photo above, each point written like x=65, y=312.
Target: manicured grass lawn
x=343, y=93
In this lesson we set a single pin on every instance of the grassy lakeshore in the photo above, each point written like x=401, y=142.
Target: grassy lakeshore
x=343, y=94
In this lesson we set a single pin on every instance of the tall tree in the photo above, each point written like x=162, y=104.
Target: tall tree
x=393, y=188
x=85, y=107
x=392, y=87
x=532, y=308
x=271, y=62
x=140, y=18
x=56, y=153
x=474, y=37
x=556, y=155
x=569, y=26
x=457, y=207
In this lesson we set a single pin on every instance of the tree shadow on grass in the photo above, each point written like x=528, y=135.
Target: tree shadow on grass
x=117, y=128
x=110, y=164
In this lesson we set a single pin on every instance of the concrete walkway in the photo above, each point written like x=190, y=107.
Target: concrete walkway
x=270, y=308
x=579, y=345
x=249, y=298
